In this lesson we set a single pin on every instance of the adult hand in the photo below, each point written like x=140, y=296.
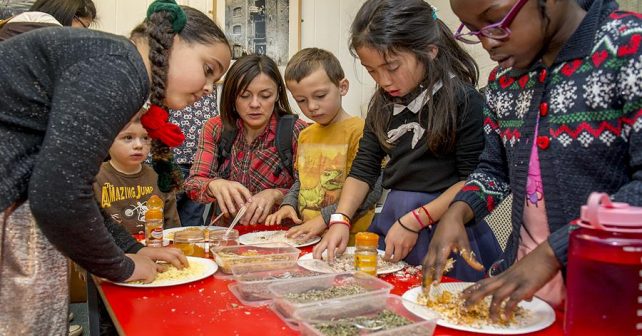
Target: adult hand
x=171, y=255
x=145, y=269
x=334, y=241
x=230, y=195
x=307, y=230
x=450, y=235
x=519, y=282
x=260, y=206
x=286, y=211
x=400, y=241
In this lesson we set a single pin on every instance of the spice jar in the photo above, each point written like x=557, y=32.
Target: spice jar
x=365, y=255
x=154, y=222
x=191, y=242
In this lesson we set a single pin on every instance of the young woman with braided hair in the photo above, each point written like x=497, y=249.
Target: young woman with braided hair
x=57, y=122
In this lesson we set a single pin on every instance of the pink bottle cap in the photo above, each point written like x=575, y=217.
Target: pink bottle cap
x=602, y=214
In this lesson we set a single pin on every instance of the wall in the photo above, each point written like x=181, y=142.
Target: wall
x=325, y=24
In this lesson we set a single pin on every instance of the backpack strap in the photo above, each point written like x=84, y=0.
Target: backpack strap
x=283, y=142
x=225, y=149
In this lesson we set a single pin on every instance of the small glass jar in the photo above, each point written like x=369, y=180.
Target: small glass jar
x=220, y=238
x=191, y=242
x=365, y=254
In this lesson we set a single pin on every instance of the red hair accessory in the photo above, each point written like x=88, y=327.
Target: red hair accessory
x=156, y=122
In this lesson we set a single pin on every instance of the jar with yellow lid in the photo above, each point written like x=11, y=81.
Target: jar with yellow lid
x=365, y=255
x=191, y=242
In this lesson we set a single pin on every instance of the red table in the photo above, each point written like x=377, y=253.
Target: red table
x=207, y=307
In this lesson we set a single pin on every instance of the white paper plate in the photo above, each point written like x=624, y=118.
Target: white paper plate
x=540, y=314
x=169, y=233
x=269, y=237
x=210, y=268
x=349, y=251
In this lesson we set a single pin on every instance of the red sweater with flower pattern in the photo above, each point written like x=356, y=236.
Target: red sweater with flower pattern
x=590, y=130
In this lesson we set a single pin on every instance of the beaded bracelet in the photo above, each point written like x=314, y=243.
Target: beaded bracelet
x=405, y=227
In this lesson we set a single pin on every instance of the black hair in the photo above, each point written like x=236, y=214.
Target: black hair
x=64, y=11
x=393, y=26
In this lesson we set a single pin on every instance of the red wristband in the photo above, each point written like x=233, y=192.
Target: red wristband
x=421, y=224
x=430, y=220
x=339, y=222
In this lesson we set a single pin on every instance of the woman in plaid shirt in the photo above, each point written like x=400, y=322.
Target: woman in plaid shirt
x=252, y=101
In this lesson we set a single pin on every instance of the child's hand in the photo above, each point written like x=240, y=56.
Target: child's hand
x=519, y=282
x=286, y=211
x=399, y=241
x=450, y=235
x=307, y=230
x=145, y=269
x=171, y=255
x=335, y=241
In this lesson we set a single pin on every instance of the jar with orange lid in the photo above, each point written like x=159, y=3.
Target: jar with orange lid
x=365, y=254
x=154, y=222
x=191, y=242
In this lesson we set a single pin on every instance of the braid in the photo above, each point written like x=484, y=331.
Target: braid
x=161, y=38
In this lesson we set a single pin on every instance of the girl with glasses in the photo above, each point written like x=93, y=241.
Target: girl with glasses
x=427, y=117
x=563, y=119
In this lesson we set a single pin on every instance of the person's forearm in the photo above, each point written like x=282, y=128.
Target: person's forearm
x=352, y=195
x=439, y=205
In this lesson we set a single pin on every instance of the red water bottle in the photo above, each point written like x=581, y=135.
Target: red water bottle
x=604, y=279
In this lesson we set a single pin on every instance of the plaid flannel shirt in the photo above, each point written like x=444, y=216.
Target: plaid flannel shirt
x=254, y=165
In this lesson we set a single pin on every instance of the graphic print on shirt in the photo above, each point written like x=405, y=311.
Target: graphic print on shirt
x=322, y=171
x=110, y=193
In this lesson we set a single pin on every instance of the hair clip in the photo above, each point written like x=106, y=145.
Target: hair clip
x=434, y=12
x=179, y=19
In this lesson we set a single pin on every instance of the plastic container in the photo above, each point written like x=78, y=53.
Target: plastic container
x=365, y=253
x=252, y=280
x=274, y=254
x=604, y=271
x=313, y=319
x=285, y=306
x=220, y=238
x=192, y=243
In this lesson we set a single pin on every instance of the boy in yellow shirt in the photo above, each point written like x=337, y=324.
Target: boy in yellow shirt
x=326, y=148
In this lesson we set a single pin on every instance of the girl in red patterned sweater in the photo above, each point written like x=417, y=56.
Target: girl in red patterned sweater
x=564, y=118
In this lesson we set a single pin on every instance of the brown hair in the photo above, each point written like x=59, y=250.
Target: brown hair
x=308, y=60
x=239, y=77
x=393, y=26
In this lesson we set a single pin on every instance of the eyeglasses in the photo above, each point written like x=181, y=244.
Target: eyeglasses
x=496, y=31
x=85, y=25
